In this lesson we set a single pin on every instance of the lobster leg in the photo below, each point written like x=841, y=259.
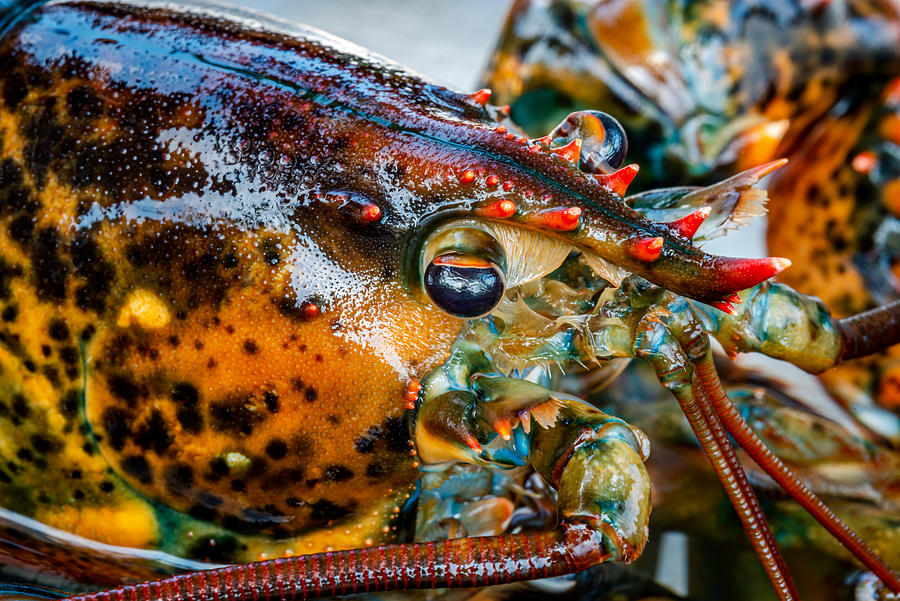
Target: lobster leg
x=673, y=363
x=803, y=312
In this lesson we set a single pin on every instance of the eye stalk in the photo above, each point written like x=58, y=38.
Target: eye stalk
x=464, y=269
x=464, y=286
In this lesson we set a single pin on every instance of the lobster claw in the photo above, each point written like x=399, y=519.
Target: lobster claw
x=603, y=140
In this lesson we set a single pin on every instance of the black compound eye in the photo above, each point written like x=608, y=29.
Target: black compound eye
x=463, y=285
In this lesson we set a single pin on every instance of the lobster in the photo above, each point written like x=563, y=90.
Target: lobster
x=204, y=210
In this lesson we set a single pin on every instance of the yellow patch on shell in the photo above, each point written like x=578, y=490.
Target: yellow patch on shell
x=145, y=309
x=127, y=524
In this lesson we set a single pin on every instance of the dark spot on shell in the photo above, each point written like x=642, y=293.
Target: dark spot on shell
x=276, y=449
x=20, y=406
x=218, y=465
x=21, y=229
x=270, y=398
x=238, y=485
x=294, y=502
x=117, y=425
x=154, y=434
x=69, y=355
x=338, y=473
x=178, y=479
x=311, y=395
x=364, y=444
x=50, y=271
x=397, y=434
x=234, y=415
x=219, y=549
x=137, y=467
x=10, y=313
x=69, y=404
x=45, y=444
x=30, y=366
x=250, y=347
x=185, y=398
x=107, y=486
x=97, y=273
x=123, y=388
x=58, y=330
x=326, y=511
x=51, y=373
x=202, y=512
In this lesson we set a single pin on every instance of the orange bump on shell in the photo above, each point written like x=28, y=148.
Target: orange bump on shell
x=467, y=177
x=563, y=219
x=646, y=249
x=507, y=185
x=687, y=226
x=619, y=180
x=371, y=213
x=498, y=210
x=492, y=180
x=863, y=162
x=570, y=152
x=310, y=310
x=481, y=96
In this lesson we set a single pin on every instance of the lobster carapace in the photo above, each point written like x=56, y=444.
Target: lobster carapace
x=236, y=252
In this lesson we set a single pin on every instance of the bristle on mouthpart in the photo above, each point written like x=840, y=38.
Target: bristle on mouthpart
x=688, y=225
x=646, y=249
x=618, y=181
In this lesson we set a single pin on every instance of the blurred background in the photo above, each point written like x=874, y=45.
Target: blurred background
x=448, y=42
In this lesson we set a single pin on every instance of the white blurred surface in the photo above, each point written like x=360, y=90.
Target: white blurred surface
x=449, y=41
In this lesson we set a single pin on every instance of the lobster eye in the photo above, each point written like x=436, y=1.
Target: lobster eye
x=615, y=144
x=604, y=143
x=464, y=285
